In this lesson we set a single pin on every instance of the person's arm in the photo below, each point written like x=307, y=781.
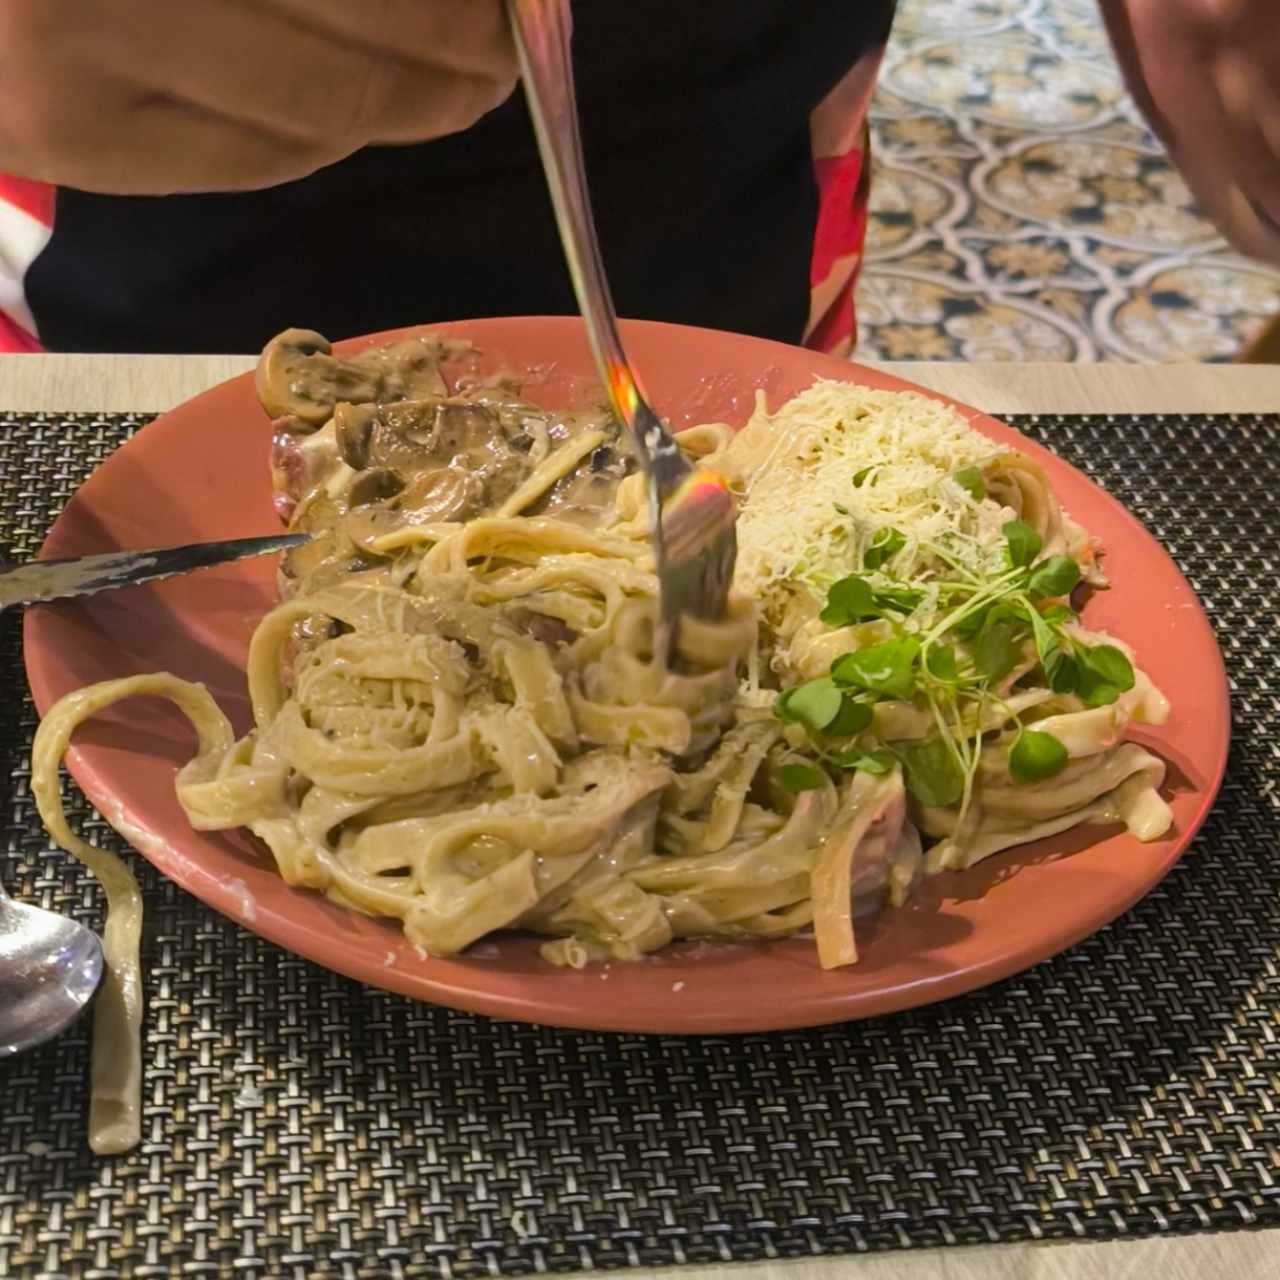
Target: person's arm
x=1207, y=75
x=153, y=96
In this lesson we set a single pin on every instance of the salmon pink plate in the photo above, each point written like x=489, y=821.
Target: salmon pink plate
x=202, y=472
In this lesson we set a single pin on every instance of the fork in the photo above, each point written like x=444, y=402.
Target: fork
x=692, y=511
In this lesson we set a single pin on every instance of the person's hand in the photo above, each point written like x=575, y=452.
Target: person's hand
x=1207, y=75
x=160, y=96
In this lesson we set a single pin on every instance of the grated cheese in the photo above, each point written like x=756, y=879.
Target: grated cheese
x=802, y=462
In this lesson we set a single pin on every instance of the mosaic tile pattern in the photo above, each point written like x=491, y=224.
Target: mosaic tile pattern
x=1022, y=210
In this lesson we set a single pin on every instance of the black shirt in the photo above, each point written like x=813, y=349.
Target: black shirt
x=695, y=123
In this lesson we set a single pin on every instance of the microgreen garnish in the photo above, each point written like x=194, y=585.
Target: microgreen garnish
x=1110, y=664
x=1035, y=756
x=998, y=650
x=934, y=776
x=849, y=600
x=800, y=777
x=852, y=718
x=1022, y=543
x=1057, y=614
x=780, y=705
x=1048, y=644
x=995, y=613
x=857, y=599
x=885, y=669
x=884, y=546
x=971, y=481
x=1056, y=576
x=813, y=705
x=1065, y=677
x=1103, y=674
x=899, y=599
x=941, y=663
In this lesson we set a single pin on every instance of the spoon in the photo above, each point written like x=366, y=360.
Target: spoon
x=50, y=967
x=691, y=511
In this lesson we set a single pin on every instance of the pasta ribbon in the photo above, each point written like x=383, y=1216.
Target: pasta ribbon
x=461, y=722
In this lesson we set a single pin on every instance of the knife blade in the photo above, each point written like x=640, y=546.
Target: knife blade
x=86, y=575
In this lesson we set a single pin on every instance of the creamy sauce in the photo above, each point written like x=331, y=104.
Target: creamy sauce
x=402, y=451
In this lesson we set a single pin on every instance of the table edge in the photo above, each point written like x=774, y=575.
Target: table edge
x=154, y=383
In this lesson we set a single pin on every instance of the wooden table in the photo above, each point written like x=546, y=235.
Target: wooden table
x=153, y=383
x=122, y=384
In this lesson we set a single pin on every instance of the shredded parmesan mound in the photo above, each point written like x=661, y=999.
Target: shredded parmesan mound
x=803, y=461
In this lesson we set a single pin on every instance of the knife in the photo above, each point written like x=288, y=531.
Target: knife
x=85, y=575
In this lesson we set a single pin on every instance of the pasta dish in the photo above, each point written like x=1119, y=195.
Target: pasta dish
x=460, y=721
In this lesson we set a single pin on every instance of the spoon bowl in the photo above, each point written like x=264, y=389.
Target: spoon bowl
x=50, y=968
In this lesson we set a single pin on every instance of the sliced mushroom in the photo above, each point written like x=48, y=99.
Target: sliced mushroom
x=353, y=426
x=445, y=494
x=374, y=486
x=585, y=494
x=554, y=632
x=403, y=436
x=410, y=369
x=298, y=374
x=413, y=433
x=461, y=427
x=317, y=512
x=306, y=560
x=502, y=477
x=430, y=431
x=365, y=525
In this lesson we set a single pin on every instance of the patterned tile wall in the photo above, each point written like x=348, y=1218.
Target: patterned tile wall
x=1022, y=211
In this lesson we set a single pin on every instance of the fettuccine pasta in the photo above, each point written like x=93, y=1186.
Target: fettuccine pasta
x=462, y=722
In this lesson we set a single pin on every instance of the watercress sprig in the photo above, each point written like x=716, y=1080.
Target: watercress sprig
x=989, y=623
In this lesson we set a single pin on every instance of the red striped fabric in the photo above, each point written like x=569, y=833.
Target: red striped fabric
x=841, y=164
x=34, y=198
x=14, y=339
x=26, y=223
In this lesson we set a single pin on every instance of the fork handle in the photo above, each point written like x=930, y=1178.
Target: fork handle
x=543, y=32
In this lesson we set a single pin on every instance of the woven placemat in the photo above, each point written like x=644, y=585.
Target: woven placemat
x=298, y=1124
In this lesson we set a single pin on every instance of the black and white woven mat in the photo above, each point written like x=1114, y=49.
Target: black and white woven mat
x=298, y=1124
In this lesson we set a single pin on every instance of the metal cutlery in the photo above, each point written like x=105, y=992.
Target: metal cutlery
x=692, y=511
x=50, y=968
x=86, y=575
